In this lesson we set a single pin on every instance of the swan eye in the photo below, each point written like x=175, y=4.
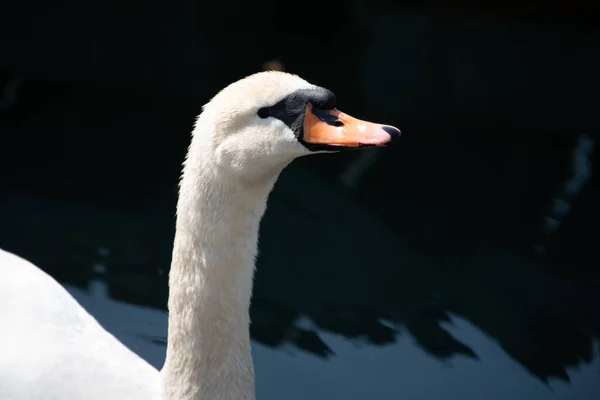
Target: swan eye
x=264, y=112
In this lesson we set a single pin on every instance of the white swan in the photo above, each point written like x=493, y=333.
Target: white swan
x=51, y=348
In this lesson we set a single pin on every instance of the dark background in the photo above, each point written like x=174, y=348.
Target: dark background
x=498, y=104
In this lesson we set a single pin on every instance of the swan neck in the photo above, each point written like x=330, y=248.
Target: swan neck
x=210, y=286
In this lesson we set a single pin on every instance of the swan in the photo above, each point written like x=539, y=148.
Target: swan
x=51, y=348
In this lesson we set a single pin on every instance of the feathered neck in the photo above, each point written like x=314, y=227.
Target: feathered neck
x=210, y=282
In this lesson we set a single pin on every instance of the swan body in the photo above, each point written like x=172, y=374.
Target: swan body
x=52, y=348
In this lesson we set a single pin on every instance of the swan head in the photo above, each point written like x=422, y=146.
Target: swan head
x=266, y=120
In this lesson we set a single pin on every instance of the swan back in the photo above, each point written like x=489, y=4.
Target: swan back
x=53, y=349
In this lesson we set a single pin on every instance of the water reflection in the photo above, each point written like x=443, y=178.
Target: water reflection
x=359, y=372
x=343, y=305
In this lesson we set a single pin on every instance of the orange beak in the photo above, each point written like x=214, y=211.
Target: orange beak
x=334, y=128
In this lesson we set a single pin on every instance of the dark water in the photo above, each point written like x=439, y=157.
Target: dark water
x=462, y=264
x=343, y=305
